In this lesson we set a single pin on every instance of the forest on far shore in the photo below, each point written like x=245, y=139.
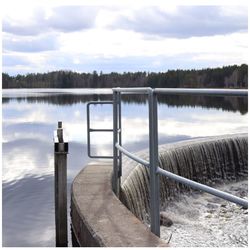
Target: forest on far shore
x=233, y=76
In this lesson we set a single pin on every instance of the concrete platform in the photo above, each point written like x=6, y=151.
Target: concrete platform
x=98, y=216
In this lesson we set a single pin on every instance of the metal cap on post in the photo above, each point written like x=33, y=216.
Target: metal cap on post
x=60, y=132
x=60, y=154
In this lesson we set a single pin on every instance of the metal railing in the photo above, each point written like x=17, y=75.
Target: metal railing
x=153, y=163
x=90, y=130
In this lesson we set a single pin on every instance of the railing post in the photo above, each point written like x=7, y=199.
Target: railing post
x=153, y=160
x=60, y=154
x=120, y=134
x=88, y=132
x=116, y=179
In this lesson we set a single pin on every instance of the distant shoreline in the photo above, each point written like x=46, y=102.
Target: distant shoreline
x=226, y=77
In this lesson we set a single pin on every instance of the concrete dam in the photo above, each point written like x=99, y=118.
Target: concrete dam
x=100, y=219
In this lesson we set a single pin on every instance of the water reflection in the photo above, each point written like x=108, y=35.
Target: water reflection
x=28, y=166
x=24, y=157
x=28, y=212
x=71, y=98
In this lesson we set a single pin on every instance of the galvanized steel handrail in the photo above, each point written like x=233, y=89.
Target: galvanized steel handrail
x=185, y=181
x=206, y=92
x=132, y=156
x=155, y=170
x=132, y=90
x=205, y=188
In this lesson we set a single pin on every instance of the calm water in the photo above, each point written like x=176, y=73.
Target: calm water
x=30, y=117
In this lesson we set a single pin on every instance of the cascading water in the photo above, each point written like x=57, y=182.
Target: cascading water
x=209, y=161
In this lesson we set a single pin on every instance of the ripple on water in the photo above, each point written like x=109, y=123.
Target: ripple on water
x=28, y=212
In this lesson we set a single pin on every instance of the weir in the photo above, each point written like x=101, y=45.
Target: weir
x=140, y=182
x=210, y=161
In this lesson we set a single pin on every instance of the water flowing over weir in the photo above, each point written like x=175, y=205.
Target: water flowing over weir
x=210, y=161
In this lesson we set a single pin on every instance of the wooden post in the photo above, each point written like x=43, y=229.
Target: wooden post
x=60, y=153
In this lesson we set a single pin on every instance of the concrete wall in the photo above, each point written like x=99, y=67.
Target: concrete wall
x=98, y=216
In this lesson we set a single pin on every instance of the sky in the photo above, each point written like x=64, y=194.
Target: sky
x=122, y=36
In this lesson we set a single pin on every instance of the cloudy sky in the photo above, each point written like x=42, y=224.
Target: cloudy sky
x=41, y=36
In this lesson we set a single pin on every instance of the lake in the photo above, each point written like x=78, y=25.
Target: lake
x=29, y=118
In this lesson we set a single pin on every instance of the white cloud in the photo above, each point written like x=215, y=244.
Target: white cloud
x=183, y=21
x=51, y=37
x=44, y=20
x=30, y=44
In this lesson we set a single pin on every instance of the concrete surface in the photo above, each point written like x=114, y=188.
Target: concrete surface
x=98, y=216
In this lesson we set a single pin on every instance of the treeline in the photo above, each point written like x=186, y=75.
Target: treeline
x=226, y=77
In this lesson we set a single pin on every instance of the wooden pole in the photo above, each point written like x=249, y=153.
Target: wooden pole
x=60, y=153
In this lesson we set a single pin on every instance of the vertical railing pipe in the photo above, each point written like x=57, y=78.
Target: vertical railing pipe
x=88, y=126
x=116, y=179
x=119, y=133
x=153, y=160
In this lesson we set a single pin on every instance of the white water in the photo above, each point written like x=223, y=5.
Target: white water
x=199, y=219
x=202, y=220
x=211, y=161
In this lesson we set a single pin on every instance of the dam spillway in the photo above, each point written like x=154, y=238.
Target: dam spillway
x=209, y=161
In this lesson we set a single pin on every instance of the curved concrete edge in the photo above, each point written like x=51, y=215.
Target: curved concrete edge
x=98, y=216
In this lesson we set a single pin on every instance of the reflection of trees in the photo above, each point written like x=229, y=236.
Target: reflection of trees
x=60, y=99
x=224, y=103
